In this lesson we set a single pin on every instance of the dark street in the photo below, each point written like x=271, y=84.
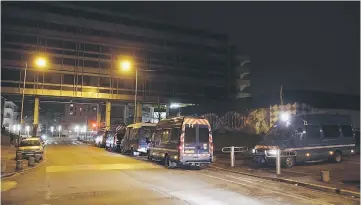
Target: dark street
x=81, y=174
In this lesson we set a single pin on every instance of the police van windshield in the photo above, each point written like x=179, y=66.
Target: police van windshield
x=279, y=132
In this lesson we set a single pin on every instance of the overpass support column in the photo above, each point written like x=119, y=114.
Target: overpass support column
x=36, y=115
x=138, y=116
x=107, y=114
x=98, y=116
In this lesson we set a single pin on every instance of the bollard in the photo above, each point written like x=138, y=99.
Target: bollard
x=3, y=167
x=37, y=158
x=232, y=156
x=31, y=161
x=19, y=164
x=325, y=176
x=278, y=162
x=19, y=156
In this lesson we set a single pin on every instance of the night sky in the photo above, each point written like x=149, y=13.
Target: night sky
x=302, y=45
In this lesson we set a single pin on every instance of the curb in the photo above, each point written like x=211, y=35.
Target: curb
x=23, y=171
x=303, y=184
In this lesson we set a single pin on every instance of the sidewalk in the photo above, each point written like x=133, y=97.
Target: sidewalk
x=346, y=171
x=8, y=159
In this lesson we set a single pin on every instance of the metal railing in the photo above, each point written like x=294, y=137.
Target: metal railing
x=232, y=150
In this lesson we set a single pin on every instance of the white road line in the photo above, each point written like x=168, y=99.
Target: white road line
x=307, y=199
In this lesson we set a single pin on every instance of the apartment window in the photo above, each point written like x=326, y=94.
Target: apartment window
x=91, y=64
x=54, y=43
x=104, y=82
x=12, y=38
x=69, y=53
x=105, y=65
x=92, y=47
x=71, y=29
x=86, y=80
x=69, y=45
x=69, y=61
x=10, y=74
x=53, y=26
x=106, y=33
x=10, y=55
x=20, y=22
x=94, y=32
x=68, y=79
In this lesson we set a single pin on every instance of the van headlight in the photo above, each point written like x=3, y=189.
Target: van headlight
x=253, y=151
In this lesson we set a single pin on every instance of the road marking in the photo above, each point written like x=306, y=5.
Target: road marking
x=7, y=185
x=307, y=199
x=100, y=167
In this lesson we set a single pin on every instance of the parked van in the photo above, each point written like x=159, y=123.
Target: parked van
x=137, y=137
x=307, y=138
x=182, y=141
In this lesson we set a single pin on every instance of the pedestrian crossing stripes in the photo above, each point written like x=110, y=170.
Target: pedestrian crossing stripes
x=94, y=167
x=69, y=142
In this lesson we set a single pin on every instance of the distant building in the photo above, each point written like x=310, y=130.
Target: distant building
x=84, y=46
x=11, y=117
x=79, y=114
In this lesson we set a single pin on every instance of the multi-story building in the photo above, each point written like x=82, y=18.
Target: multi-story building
x=10, y=115
x=84, y=45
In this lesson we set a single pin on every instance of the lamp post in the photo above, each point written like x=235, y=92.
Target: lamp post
x=40, y=62
x=126, y=66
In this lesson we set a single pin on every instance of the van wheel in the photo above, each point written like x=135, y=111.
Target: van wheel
x=289, y=162
x=337, y=157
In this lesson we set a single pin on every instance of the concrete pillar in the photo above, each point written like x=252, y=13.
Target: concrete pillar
x=138, y=117
x=98, y=116
x=107, y=114
x=36, y=115
x=125, y=114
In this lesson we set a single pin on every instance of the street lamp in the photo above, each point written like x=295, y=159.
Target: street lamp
x=40, y=62
x=126, y=66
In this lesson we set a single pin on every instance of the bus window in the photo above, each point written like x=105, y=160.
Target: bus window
x=346, y=130
x=148, y=131
x=331, y=131
x=135, y=134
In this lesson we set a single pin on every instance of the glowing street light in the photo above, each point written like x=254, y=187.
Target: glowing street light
x=40, y=62
x=125, y=65
x=27, y=129
x=59, y=128
x=285, y=116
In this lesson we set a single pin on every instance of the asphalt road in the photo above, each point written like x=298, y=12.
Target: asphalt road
x=80, y=174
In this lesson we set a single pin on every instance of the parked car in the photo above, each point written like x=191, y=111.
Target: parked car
x=307, y=138
x=182, y=141
x=31, y=146
x=137, y=137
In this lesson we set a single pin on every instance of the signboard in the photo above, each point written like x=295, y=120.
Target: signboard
x=160, y=108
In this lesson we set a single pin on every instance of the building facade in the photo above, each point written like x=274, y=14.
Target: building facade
x=11, y=112
x=84, y=46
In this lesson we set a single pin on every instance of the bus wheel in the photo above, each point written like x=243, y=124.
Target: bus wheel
x=289, y=162
x=337, y=157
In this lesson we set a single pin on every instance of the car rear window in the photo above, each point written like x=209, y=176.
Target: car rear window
x=29, y=143
x=190, y=135
x=203, y=134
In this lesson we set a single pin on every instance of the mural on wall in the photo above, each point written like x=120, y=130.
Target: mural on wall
x=257, y=121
